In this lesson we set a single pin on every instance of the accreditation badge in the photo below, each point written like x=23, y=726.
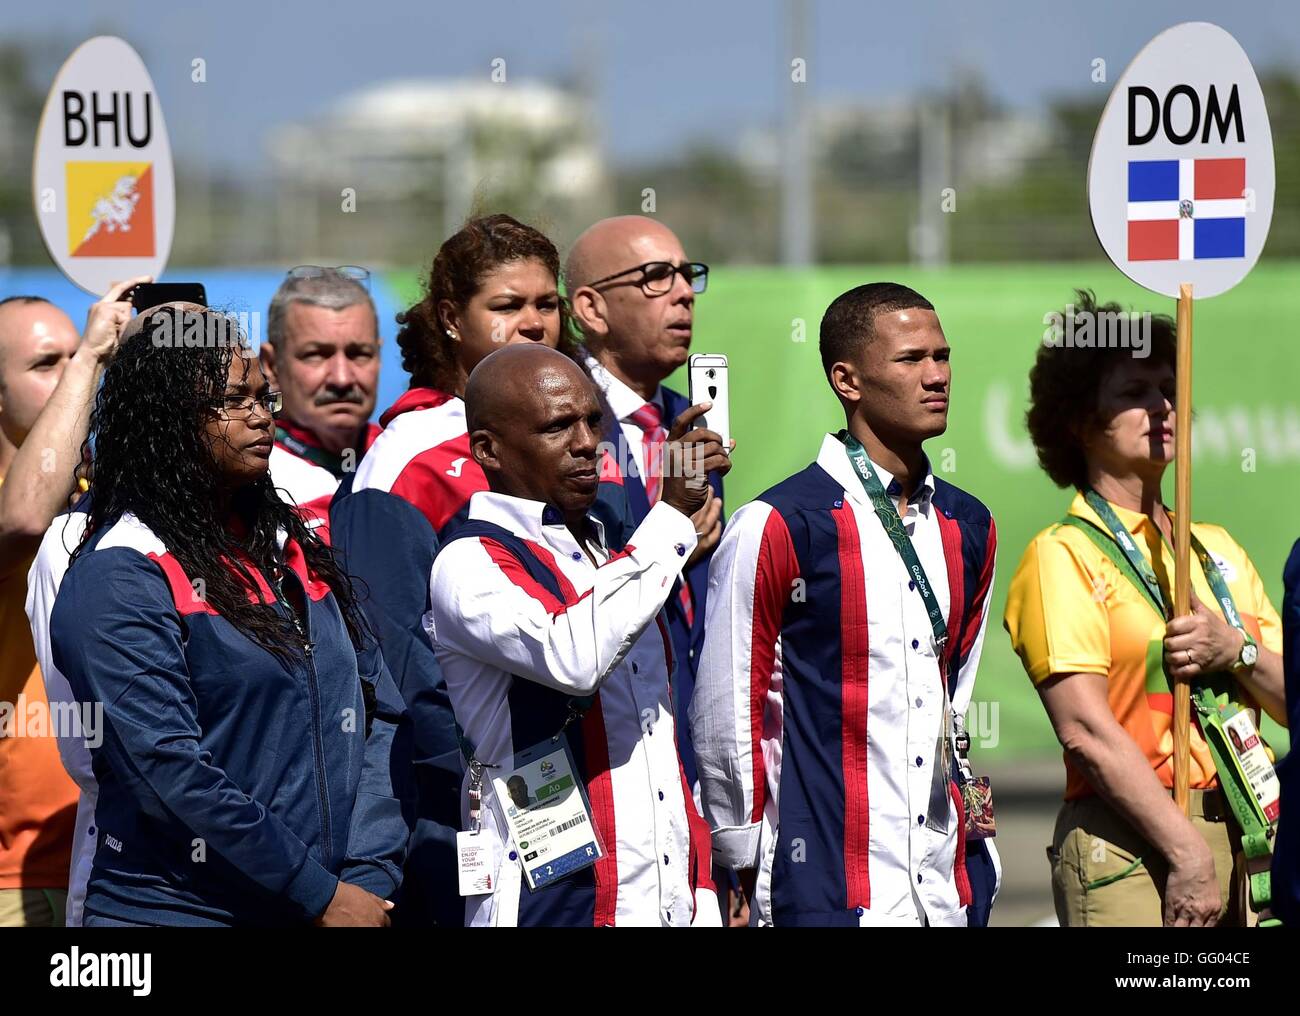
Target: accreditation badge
x=545, y=807
x=1248, y=747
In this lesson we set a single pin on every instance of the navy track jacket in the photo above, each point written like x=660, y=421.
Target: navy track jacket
x=233, y=789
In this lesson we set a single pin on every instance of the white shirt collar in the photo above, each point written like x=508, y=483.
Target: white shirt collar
x=531, y=520
x=621, y=398
x=834, y=459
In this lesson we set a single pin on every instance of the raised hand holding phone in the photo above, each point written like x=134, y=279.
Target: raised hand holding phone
x=708, y=383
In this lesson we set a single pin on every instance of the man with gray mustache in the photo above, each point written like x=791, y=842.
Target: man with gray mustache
x=322, y=353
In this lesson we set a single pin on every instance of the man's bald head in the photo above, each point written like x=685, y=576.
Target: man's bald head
x=36, y=342
x=534, y=427
x=511, y=376
x=641, y=333
x=23, y=318
x=611, y=245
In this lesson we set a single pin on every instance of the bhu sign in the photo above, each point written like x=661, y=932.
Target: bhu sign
x=1180, y=181
x=103, y=187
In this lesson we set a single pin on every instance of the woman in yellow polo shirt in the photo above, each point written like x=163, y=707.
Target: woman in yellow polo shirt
x=1083, y=614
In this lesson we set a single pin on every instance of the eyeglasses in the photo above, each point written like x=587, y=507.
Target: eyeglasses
x=242, y=405
x=657, y=276
x=354, y=272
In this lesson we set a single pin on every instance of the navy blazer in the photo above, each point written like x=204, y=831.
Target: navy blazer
x=1286, y=851
x=688, y=639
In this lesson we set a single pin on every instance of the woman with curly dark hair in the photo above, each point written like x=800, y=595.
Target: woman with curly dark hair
x=1089, y=614
x=252, y=738
x=493, y=283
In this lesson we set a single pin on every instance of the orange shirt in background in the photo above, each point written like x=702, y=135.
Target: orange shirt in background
x=38, y=800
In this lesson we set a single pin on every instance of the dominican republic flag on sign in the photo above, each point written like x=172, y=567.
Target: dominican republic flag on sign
x=1186, y=209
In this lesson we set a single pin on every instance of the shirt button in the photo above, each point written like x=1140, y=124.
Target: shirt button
x=918, y=702
x=918, y=761
x=514, y=856
x=91, y=830
x=634, y=669
x=661, y=795
x=910, y=585
x=920, y=820
x=577, y=555
x=680, y=548
x=861, y=911
x=915, y=643
x=665, y=858
x=918, y=878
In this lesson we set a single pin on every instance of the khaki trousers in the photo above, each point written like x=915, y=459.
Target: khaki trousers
x=1105, y=875
x=32, y=908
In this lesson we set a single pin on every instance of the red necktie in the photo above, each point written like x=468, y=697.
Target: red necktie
x=650, y=419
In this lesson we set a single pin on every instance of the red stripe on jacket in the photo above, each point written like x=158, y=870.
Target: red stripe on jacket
x=952, y=559
x=518, y=575
x=854, y=701
x=959, y=873
x=188, y=600
x=976, y=612
x=776, y=570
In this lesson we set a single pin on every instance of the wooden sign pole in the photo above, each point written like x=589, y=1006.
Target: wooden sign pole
x=1183, y=537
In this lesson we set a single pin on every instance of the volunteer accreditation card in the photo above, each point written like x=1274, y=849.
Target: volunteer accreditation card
x=545, y=807
x=1254, y=762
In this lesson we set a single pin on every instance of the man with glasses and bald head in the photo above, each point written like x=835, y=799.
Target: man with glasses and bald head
x=633, y=293
x=322, y=352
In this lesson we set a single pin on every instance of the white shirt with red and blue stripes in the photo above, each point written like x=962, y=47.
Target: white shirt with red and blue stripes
x=819, y=698
x=495, y=628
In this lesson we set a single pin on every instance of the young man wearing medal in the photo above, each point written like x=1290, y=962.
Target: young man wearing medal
x=846, y=615
x=1089, y=614
x=557, y=659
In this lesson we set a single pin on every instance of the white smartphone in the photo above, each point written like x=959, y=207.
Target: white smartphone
x=708, y=379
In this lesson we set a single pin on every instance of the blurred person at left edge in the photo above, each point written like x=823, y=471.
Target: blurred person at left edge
x=47, y=381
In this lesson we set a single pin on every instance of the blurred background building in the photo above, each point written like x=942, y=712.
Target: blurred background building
x=429, y=152
x=882, y=173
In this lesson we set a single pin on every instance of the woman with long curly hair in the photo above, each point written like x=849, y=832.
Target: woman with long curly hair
x=495, y=282
x=1089, y=612
x=252, y=738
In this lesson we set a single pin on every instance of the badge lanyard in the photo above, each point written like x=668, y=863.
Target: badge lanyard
x=937, y=817
x=1120, y=534
x=322, y=458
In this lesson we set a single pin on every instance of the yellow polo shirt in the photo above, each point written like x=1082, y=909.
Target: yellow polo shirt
x=1071, y=611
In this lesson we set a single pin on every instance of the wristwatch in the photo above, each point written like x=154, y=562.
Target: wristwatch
x=1248, y=655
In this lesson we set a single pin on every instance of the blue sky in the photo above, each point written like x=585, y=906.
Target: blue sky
x=665, y=72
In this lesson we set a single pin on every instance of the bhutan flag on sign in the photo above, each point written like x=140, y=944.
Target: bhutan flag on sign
x=110, y=209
